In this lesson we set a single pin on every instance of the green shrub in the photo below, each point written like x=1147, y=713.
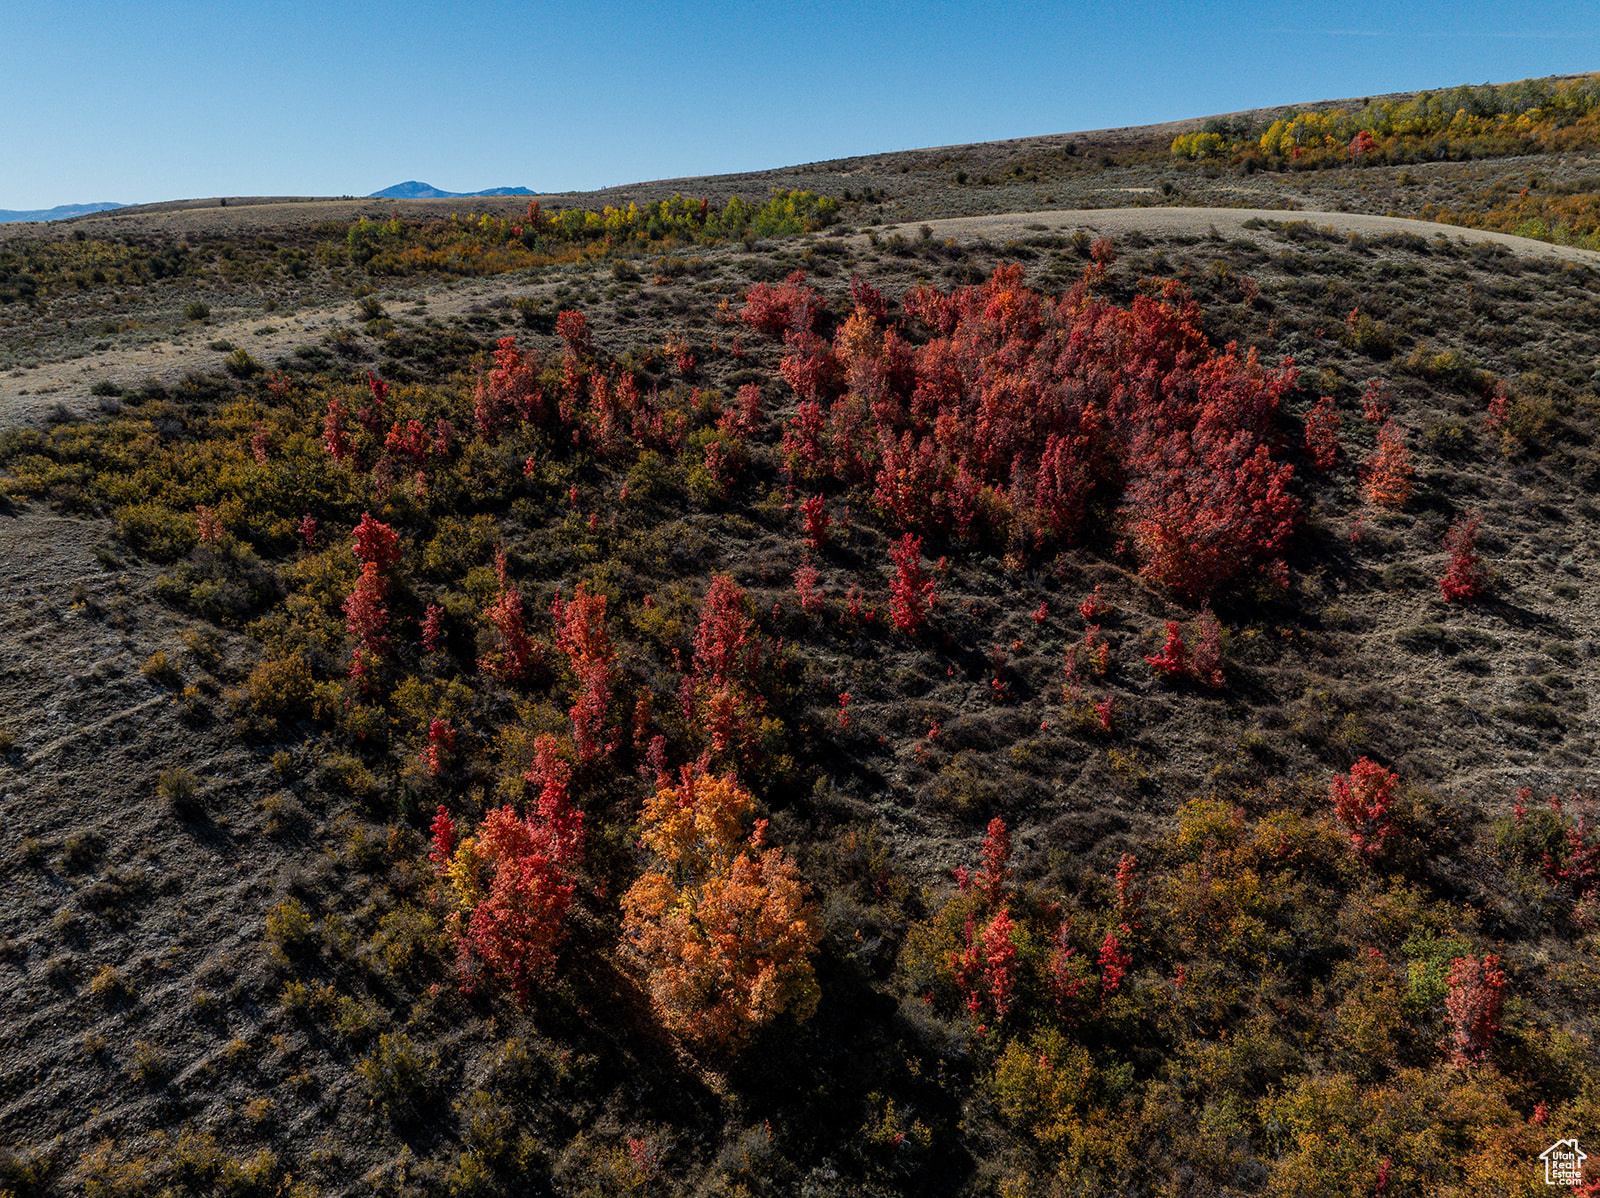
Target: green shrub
x=290, y=929
x=197, y=310
x=397, y=1075
x=241, y=365
x=180, y=790
x=109, y=986
x=161, y=669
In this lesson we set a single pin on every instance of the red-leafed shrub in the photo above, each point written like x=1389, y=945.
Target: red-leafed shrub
x=1021, y=410
x=724, y=642
x=515, y=653
x=511, y=388
x=1474, y=1000
x=366, y=614
x=432, y=627
x=1173, y=660
x=580, y=633
x=912, y=593
x=444, y=840
x=996, y=855
x=1113, y=964
x=984, y=967
x=573, y=329
x=441, y=740
x=1201, y=660
x=814, y=512
x=719, y=694
x=809, y=365
x=1361, y=802
x=805, y=588
x=1130, y=895
x=1196, y=520
x=514, y=931
x=1322, y=434
x=1467, y=578
x=1376, y=402
x=788, y=305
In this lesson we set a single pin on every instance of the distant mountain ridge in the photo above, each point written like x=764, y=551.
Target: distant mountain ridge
x=413, y=190
x=60, y=212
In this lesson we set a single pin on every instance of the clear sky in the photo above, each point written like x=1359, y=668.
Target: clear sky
x=168, y=99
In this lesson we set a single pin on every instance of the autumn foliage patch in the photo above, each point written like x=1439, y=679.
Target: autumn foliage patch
x=1023, y=415
x=719, y=916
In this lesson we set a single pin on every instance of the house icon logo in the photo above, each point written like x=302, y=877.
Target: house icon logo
x=1563, y=1163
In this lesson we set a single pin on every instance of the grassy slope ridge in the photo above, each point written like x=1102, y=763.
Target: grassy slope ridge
x=229, y=954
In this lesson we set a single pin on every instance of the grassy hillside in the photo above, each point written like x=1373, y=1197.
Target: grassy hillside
x=806, y=708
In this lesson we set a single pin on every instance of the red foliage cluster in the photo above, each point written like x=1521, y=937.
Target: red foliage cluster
x=1376, y=402
x=1130, y=895
x=1474, y=1000
x=1467, y=578
x=432, y=627
x=777, y=309
x=912, y=593
x=1173, y=660
x=984, y=969
x=514, y=658
x=1202, y=661
x=376, y=543
x=208, y=526
x=573, y=329
x=366, y=614
x=1113, y=963
x=996, y=856
x=1361, y=803
x=719, y=692
x=514, y=932
x=511, y=387
x=334, y=439
x=805, y=587
x=1322, y=434
x=441, y=740
x=580, y=633
x=1020, y=408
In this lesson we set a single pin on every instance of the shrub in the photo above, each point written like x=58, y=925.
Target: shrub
x=161, y=669
x=1361, y=803
x=290, y=929
x=180, y=790
x=109, y=986
x=1467, y=578
x=719, y=918
x=1322, y=434
x=241, y=365
x=912, y=593
x=1475, y=997
x=197, y=310
x=514, y=881
x=397, y=1075
x=1389, y=470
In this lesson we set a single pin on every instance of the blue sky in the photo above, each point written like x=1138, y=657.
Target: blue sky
x=168, y=99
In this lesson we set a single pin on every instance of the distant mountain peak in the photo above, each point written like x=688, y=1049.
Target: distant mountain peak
x=413, y=190
x=60, y=212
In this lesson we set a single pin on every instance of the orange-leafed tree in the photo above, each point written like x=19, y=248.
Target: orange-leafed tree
x=719, y=916
x=1389, y=469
